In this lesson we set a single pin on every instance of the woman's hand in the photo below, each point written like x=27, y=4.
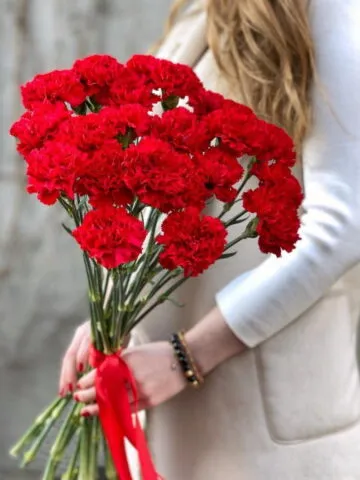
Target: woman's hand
x=76, y=359
x=157, y=375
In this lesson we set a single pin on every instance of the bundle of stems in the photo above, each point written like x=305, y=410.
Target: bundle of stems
x=119, y=299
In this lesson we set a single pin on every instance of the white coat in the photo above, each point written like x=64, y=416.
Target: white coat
x=289, y=408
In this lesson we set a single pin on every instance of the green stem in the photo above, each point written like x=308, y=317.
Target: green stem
x=136, y=208
x=228, y=206
x=128, y=282
x=236, y=219
x=67, y=207
x=110, y=471
x=243, y=236
x=36, y=427
x=50, y=470
x=115, y=305
x=163, y=280
x=30, y=455
x=106, y=285
x=122, y=303
x=84, y=449
x=152, y=224
x=66, y=433
x=141, y=274
x=93, y=448
x=167, y=277
x=98, y=282
x=162, y=298
x=96, y=313
x=72, y=469
x=142, y=302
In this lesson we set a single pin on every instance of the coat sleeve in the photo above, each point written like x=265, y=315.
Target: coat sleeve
x=280, y=290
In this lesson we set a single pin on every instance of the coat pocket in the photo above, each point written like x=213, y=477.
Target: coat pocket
x=308, y=374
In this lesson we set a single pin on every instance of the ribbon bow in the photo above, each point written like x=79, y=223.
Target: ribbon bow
x=112, y=383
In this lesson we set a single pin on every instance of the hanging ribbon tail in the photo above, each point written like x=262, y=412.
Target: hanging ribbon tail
x=112, y=383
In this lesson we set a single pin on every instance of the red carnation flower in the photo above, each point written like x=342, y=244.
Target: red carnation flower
x=51, y=171
x=191, y=241
x=36, y=126
x=276, y=207
x=89, y=132
x=273, y=143
x=207, y=102
x=86, y=132
x=100, y=177
x=162, y=177
x=143, y=67
x=56, y=86
x=221, y=172
x=120, y=94
x=98, y=73
x=277, y=234
x=132, y=86
x=125, y=119
x=269, y=198
x=111, y=236
x=182, y=129
x=234, y=125
x=173, y=79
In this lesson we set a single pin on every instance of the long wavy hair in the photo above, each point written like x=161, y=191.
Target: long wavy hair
x=265, y=51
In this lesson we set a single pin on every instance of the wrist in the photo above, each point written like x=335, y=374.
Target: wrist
x=212, y=342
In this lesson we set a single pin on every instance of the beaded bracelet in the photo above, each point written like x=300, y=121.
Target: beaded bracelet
x=185, y=360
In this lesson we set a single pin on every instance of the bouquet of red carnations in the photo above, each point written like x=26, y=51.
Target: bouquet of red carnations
x=134, y=153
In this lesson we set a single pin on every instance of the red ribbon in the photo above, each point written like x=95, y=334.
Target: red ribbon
x=113, y=382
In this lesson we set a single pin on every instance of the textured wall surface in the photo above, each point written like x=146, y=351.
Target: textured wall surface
x=41, y=276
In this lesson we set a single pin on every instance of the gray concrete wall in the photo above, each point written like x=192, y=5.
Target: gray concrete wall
x=41, y=277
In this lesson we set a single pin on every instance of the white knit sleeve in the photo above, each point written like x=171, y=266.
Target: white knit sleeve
x=279, y=290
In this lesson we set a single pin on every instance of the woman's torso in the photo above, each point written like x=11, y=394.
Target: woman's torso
x=289, y=409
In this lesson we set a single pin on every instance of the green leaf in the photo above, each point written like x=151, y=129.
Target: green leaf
x=251, y=227
x=170, y=102
x=228, y=255
x=81, y=109
x=67, y=229
x=174, y=302
x=240, y=220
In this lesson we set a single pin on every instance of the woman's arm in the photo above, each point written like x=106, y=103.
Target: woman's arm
x=280, y=290
x=212, y=342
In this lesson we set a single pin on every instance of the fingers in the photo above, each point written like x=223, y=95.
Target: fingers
x=93, y=409
x=90, y=410
x=85, y=396
x=87, y=380
x=68, y=373
x=88, y=396
x=86, y=392
x=82, y=356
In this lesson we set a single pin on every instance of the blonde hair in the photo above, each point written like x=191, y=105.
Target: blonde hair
x=265, y=51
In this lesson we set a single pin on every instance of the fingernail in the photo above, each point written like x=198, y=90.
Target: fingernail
x=61, y=393
x=70, y=387
x=76, y=398
x=85, y=414
x=81, y=367
x=78, y=386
